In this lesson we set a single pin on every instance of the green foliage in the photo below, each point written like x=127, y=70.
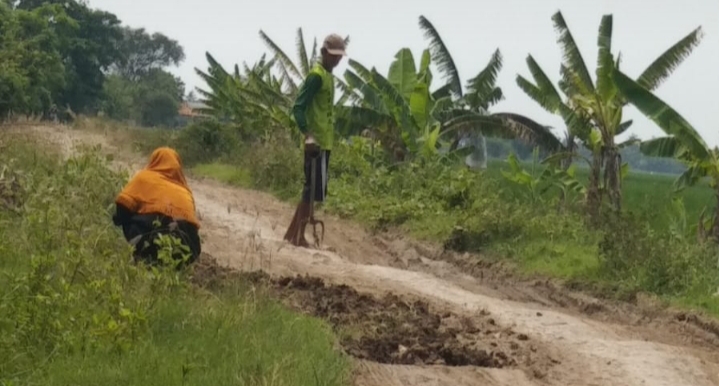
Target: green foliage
x=138, y=88
x=141, y=53
x=254, y=101
x=30, y=58
x=87, y=51
x=205, y=141
x=593, y=109
x=484, y=212
x=683, y=142
x=466, y=112
x=635, y=257
x=59, y=57
x=152, y=101
x=397, y=108
x=549, y=178
x=74, y=310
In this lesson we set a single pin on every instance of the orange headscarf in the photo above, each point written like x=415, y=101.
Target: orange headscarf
x=160, y=187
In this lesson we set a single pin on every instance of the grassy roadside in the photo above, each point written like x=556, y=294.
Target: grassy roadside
x=651, y=248
x=73, y=310
x=537, y=240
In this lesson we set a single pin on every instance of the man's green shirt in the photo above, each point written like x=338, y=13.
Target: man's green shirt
x=314, y=106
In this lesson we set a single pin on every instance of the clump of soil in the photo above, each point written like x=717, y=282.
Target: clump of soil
x=390, y=329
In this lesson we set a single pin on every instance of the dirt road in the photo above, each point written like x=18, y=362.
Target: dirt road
x=544, y=343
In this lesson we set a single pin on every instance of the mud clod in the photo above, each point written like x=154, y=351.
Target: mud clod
x=389, y=329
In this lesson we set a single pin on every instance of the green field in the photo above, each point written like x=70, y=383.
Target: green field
x=645, y=193
x=75, y=311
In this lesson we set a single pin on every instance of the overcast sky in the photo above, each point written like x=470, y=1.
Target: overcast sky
x=472, y=30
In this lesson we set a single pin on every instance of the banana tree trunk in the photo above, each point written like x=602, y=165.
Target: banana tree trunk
x=565, y=164
x=594, y=194
x=613, y=177
x=715, y=222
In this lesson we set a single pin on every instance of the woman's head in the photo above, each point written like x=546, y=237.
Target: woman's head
x=166, y=161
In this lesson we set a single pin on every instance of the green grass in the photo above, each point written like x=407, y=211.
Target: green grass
x=75, y=311
x=213, y=342
x=650, y=194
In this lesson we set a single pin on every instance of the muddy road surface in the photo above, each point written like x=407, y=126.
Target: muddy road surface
x=412, y=316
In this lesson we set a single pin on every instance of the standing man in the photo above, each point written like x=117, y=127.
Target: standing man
x=314, y=114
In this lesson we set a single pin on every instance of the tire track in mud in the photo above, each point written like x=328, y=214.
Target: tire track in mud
x=239, y=230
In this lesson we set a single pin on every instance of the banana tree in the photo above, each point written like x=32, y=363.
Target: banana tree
x=470, y=116
x=223, y=99
x=682, y=142
x=596, y=108
x=397, y=109
x=253, y=99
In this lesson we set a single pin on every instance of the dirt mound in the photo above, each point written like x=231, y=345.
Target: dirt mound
x=389, y=330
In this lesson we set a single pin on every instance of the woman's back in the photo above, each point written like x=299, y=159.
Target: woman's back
x=158, y=192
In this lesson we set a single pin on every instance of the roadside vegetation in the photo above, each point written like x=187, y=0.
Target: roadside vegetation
x=74, y=310
x=411, y=158
x=419, y=150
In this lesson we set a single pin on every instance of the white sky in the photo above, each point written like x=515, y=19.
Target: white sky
x=472, y=30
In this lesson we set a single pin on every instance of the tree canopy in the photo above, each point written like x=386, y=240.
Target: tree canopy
x=60, y=55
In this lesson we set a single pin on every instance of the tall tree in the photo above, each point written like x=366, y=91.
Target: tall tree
x=152, y=100
x=402, y=113
x=87, y=52
x=32, y=67
x=142, y=52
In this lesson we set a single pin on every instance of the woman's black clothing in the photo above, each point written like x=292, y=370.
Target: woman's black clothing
x=141, y=230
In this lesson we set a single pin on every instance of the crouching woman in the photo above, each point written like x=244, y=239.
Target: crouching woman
x=157, y=201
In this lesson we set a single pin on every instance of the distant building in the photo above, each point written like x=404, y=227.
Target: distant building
x=190, y=109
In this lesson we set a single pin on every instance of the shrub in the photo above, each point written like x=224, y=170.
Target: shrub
x=275, y=165
x=638, y=257
x=206, y=141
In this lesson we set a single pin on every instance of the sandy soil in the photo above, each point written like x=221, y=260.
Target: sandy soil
x=566, y=338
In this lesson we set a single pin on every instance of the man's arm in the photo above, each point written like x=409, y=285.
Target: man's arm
x=309, y=89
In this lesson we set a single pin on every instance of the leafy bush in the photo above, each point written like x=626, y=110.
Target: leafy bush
x=275, y=165
x=205, y=141
x=640, y=258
